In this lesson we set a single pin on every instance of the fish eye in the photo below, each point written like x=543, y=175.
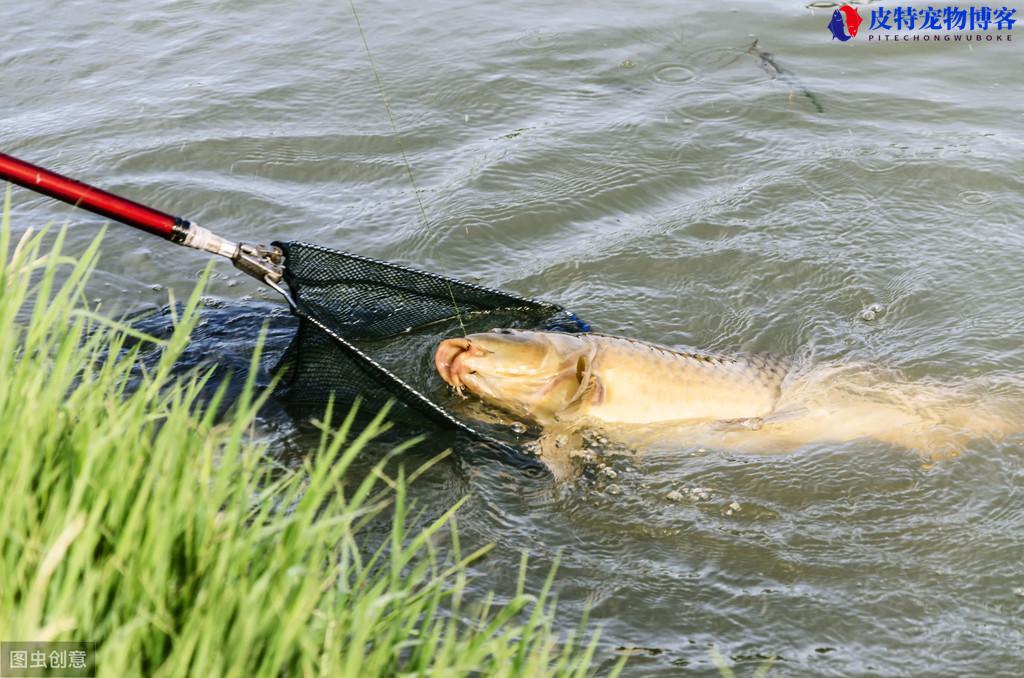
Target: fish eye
x=502, y=331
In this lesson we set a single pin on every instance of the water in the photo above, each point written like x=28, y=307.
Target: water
x=640, y=165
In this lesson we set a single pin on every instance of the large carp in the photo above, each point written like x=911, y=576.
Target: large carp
x=556, y=377
x=753, y=402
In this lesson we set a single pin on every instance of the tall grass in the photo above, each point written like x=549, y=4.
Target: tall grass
x=133, y=517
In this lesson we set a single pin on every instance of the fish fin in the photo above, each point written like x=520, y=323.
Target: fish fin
x=589, y=388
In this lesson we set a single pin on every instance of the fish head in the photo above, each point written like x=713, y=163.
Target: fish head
x=537, y=375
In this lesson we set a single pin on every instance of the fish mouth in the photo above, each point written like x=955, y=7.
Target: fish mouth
x=449, y=361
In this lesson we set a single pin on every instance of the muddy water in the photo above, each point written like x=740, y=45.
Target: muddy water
x=642, y=165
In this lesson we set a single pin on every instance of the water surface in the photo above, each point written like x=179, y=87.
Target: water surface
x=641, y=165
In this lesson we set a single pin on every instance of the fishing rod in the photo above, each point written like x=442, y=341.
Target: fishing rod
x=265, y=263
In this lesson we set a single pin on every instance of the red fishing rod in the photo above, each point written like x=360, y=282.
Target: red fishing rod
x=260, y=261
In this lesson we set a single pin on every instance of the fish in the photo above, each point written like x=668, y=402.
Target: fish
x=853, y=20
x=551, y=377
x=837, y=27
x=644, y=393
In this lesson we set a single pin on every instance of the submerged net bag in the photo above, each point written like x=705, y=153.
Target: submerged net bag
x=368, y=330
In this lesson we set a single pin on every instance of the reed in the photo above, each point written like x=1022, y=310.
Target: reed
x=136, y=518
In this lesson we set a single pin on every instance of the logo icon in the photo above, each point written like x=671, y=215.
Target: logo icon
x=845, y=23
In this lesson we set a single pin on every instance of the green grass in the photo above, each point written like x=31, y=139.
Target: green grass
x=134, y=518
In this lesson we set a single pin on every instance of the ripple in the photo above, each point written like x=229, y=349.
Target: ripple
x=715, y=106
x=672, y=74
x=728, y=66
x=538, y=39
x=975, y=198
x=872, y=160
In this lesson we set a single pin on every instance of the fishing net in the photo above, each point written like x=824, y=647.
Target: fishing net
x=368, y=330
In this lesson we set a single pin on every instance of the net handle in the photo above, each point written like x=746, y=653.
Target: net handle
x=82, y=195
x=262, y=262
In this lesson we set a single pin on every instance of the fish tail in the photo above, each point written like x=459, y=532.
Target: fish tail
x=935, y=420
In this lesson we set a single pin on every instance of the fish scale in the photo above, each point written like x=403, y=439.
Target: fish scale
x=644, y=383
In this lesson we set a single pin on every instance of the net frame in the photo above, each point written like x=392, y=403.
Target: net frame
x=351, y=303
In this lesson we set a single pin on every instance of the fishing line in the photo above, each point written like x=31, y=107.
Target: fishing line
x=401, y=150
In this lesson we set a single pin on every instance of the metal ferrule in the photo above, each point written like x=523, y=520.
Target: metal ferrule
x=260, y=261
x=203, y=239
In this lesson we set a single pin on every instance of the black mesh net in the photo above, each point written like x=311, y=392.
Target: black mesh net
x=368, y=330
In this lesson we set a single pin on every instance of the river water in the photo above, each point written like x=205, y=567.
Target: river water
x=650, y=167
